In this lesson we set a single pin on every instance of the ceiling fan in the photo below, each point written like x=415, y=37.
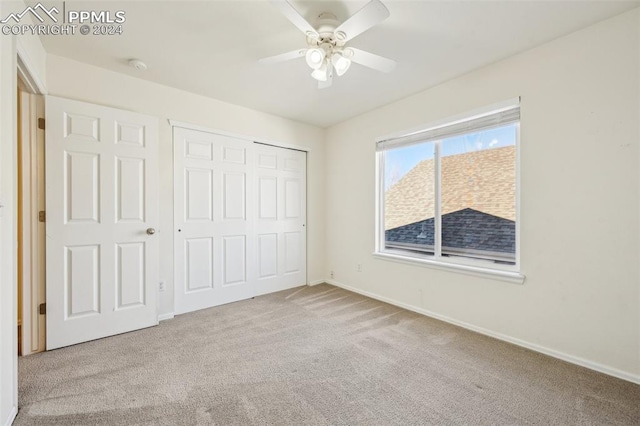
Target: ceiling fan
x=326, y=49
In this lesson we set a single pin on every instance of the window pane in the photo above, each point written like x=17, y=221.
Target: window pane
x=409, y=197
x=478, y=187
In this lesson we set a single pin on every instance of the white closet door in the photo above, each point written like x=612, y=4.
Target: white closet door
x=280, y=219
x=214, y=230
x=102, y=211
x=240, y=211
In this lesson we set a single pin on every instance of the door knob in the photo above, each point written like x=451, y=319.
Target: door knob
x=151, y=231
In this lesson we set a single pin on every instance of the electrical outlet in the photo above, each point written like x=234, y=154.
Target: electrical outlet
x=161, y=286
x=359, y=267
x=331, y=274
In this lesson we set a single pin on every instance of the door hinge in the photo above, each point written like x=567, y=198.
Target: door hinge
x=42, y=216
x=41, y=123
x=42, y=308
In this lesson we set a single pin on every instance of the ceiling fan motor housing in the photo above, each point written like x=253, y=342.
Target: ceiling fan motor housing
x=327, y=24
x=327, y=39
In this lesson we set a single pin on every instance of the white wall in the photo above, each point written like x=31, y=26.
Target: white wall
x=75, y=80
x=30, y=48
x=580, y=200
x=8, y=292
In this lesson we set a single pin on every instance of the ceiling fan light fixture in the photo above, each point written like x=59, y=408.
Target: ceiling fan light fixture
x=326, y=51
x=315, y=58
x=340, y=63
x=322, y=73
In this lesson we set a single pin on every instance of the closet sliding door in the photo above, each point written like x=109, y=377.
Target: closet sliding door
x=239, y=219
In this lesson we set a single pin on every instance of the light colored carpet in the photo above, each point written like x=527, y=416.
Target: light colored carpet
x=313, y=356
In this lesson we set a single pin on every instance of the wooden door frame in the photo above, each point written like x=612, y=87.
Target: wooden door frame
x=31, y=228
x=27, y=76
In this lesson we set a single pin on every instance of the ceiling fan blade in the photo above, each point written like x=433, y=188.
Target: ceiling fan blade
x=370, y=15
x=325, y=84
x=294, y=54
x=294, y=16
x=371, y=60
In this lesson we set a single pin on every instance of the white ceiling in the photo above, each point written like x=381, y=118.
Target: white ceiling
x=212, y=47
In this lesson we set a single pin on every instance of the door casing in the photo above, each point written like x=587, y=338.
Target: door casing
x=31, y=225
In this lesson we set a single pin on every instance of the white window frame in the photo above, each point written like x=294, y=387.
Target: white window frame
x=469, y=266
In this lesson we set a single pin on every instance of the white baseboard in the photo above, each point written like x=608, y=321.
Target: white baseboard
x=316, y=282
x=164, y=317
x=12, y=416
x=634, y=378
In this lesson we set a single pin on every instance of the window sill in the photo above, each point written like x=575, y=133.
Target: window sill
x=508, y=276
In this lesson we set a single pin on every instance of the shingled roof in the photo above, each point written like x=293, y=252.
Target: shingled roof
x=483, y=181
x=466, y=231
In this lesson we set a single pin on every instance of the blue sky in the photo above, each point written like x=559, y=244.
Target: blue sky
x=400, y=161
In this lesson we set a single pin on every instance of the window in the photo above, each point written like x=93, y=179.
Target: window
x=448, y=193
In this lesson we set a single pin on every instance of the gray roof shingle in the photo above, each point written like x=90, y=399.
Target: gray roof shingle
x=466, y=229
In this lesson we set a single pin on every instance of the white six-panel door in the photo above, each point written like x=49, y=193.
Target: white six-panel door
x=102, y=211
x=213, y=194
x=280, y=219
x=239, y=219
